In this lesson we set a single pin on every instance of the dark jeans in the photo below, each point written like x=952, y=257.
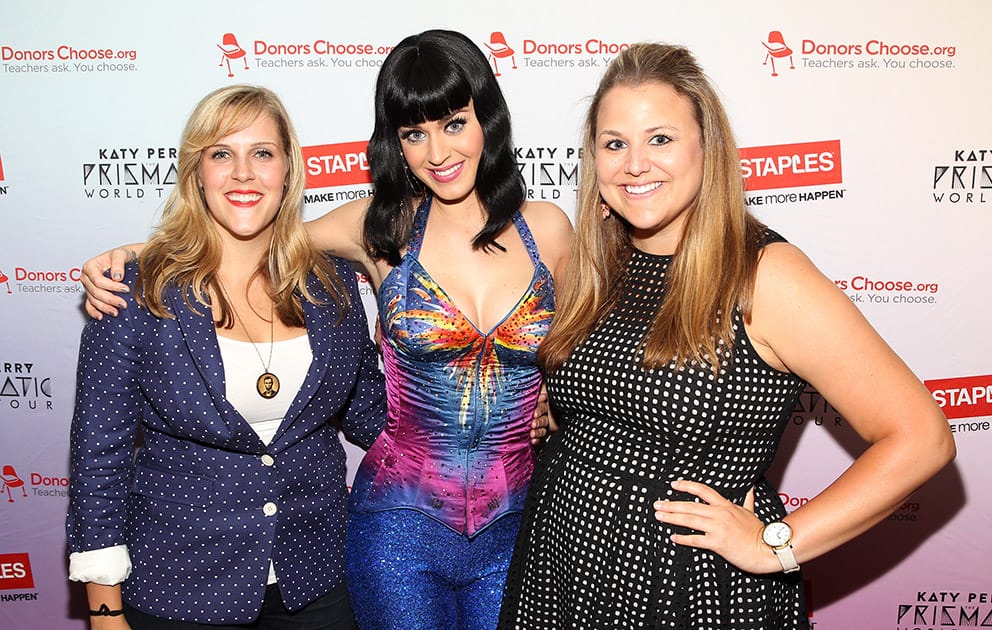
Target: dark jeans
x=330, y=612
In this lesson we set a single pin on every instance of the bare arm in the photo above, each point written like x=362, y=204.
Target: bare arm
x=338, y=231
x=801, y=322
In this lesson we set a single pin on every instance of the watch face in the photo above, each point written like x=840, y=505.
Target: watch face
x=776, y=534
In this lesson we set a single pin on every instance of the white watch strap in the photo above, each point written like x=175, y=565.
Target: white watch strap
x=786, y=558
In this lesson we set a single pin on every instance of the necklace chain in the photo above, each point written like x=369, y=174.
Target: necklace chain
x=268, y=383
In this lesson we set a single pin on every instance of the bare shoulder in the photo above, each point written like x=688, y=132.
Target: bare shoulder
x=788, y=283
x=798, y=314
x=544, y=212
x=552, y=231
x=782, y=267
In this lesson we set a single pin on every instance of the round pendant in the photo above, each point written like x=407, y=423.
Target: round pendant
x=267, y=385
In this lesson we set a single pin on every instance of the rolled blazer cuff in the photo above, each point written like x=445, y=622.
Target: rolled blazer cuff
x=107, y=566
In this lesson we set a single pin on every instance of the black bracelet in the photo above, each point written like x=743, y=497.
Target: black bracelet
x=105, y=611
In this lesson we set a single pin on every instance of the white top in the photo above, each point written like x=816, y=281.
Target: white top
x=242, y=366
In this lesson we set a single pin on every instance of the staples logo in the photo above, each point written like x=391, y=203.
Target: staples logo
x=342, y=164
x=791, y=165
x=15, y=571
x=963, y=397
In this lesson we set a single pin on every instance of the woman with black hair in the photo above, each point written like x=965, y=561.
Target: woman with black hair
x=463, y=266
x=464, y=270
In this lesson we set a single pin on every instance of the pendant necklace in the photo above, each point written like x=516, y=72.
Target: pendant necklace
x=267, y=384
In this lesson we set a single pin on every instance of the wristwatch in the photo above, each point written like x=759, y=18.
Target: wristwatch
x=778, y=536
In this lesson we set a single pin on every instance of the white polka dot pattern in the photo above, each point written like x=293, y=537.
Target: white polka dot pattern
x=206, y=504
x=591, y=553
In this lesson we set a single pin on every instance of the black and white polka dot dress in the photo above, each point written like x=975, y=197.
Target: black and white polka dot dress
x=591, y=553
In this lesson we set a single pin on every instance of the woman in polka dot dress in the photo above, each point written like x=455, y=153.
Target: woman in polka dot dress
x=242, y=352
x=685, y=331
x=464, y=268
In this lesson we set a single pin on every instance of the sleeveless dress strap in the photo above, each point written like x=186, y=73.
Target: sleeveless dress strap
x=525, y=235
x=419, y=226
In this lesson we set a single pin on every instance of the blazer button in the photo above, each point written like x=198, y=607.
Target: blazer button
x=268, y=460
x=269, y=509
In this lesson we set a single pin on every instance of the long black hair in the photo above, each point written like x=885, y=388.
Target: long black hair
x=425, y=78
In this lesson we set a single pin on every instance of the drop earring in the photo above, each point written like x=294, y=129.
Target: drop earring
x=415, y=184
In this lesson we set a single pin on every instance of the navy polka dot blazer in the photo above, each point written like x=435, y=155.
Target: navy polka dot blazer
x=205, y=504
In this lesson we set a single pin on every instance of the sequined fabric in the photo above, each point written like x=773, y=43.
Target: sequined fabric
x=406, y=570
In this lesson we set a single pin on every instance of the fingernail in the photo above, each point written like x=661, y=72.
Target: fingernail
x=118, y=276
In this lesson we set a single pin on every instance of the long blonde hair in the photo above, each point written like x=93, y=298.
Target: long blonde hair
x=185, y=250
x=712, y=271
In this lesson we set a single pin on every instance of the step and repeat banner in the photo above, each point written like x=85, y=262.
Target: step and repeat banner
x=866, y=140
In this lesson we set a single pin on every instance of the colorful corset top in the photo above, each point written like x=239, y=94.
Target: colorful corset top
x=456, y=445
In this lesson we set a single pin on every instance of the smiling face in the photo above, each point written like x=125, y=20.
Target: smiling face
x=445, y=153
x=242, y=176
x=649, y=161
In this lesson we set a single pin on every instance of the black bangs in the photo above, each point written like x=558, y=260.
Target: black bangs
x=427, y=77
x=425, y=86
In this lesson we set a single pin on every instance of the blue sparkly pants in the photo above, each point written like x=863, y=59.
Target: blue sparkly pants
x=406, y=571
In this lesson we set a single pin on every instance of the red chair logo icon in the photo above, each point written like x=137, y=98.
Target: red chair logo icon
x=5, y=280
x=499, y=49
x=232, y=50
x=11, y=480
x=777, y=49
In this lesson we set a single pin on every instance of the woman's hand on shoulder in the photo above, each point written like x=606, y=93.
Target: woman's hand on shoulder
x=552, y=232
x=101, y=289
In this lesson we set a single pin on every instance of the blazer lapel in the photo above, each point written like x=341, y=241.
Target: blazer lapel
x=200, y=338
x=315, y=318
